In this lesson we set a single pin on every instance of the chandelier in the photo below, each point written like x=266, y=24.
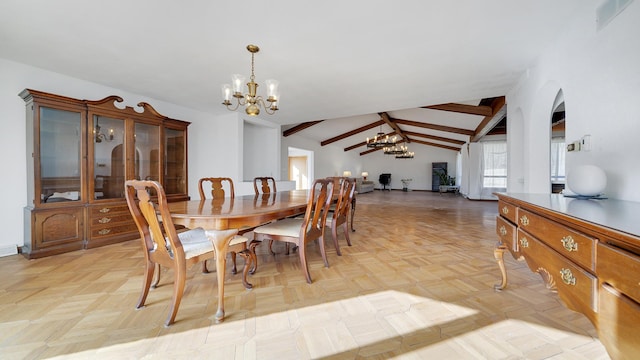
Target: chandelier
x=251, y=100
x=406, y=154
x=381, y=141
x=394, y=150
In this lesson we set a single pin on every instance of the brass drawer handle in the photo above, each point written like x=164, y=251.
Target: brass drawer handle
x=567, y=276
x=503, y=230
x=104, y=220
x=569, y=244
x=505, y=210
x=104, y=231
x=524, y=220
x=524, y=242
x=105, y=210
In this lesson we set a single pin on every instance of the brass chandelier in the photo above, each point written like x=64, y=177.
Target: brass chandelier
x=251, y=100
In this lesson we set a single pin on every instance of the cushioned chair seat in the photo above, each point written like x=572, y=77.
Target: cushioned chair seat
x=284, y=227
x=196, y=242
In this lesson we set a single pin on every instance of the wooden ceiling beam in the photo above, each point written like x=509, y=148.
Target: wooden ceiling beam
x=351, y=133
x=435, y=127
x=499, y=111
x=436, y=145
x=300, y=127
x=433, y=137
x=462, y=108
x=385, y=117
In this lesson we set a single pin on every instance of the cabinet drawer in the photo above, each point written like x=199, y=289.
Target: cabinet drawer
x=578, y=247
x=507, y=233
x=508, y=211
x=111, y=219
x=620, y=269
x=618, y=321
x=102, y=210
x=122, y=228
x=575, y=286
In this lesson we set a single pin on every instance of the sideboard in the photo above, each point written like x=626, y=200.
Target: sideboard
x=587, y=251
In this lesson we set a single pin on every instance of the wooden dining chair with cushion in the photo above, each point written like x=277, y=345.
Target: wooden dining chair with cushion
x=264, y=185
x=339, y=211
x=163, y=245
x=216, y=186
x=301, y=231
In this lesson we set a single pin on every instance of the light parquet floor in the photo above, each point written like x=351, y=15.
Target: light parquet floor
x=416, y=284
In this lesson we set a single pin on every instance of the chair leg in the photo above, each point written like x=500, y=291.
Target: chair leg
x=271, y=248
x=303, y=263
x=345, y=227
x=254, y=257
x=248, y=260
x=234, y=269
x=148, y=276
x=334, y=234
x=323, y=252
x=158, y=272
x=178, y=289
x=204, y=267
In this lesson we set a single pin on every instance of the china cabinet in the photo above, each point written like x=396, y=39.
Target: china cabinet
x=79, y=153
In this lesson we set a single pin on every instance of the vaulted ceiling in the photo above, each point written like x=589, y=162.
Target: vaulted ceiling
x=352, y=64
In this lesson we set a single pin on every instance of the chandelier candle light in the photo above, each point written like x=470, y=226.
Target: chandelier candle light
x=381, y=141
x=251, y=100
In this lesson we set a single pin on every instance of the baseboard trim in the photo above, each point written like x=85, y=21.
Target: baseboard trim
x=8, y=250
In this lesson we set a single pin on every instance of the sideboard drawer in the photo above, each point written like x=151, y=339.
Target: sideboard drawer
x=575, y=286
x=618, y=324
x=508, y=211
x=576, y=246
x=620, y=269
x=507, y=233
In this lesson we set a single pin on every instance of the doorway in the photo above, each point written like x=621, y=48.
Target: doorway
x=300, y=167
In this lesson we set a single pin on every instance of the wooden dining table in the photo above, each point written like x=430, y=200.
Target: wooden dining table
x=240, y=212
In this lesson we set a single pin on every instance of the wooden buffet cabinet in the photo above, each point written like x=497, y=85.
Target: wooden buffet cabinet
x=79, y=153
x=588, y=251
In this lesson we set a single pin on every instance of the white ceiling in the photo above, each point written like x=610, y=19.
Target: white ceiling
x=334, y=59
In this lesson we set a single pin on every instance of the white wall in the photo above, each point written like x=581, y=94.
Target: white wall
x=599, y=75
x=208, y=135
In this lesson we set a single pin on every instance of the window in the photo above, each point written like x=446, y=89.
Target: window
x=494, y=164
x=557, y=160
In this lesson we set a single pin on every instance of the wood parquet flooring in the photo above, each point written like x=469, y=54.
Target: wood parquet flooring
x=416, y=284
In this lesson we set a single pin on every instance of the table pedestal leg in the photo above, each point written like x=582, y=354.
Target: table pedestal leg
x=220, y=240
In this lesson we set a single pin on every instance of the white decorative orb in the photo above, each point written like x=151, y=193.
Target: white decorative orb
x=587, y=180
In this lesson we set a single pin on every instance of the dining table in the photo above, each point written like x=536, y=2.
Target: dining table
x=235, y=213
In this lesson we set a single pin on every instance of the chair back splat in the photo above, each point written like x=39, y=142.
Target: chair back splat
x=217, y=187
x=264, y=185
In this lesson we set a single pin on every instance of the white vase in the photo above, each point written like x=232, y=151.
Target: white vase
x=587, y=180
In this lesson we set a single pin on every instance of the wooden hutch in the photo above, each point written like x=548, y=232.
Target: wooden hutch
x=79, y=153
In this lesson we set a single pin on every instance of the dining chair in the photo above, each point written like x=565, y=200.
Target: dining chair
x=264, y=185
x=340, y=209
x=163, y=245
x=301, y=231
x=217, y=190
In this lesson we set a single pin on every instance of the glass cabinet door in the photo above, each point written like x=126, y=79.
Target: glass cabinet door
x=60, y=155
x=108, y=157
x=175, y=167
x=147, y=141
